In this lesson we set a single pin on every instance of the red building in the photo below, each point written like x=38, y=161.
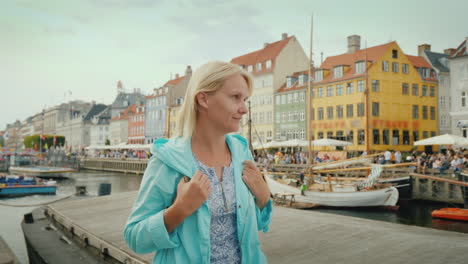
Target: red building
x=136, y=125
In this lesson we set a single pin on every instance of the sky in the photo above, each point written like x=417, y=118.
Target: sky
x=56, y=51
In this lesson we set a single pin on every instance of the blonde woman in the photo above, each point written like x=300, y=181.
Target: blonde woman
x=202, y=199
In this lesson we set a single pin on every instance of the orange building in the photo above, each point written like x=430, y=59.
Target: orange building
x=136, y=125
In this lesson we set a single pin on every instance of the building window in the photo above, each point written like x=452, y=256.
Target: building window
x=395, y=54
x=415, y=89
x=340, y=135
x=320, y=135
x=268, y=64
x=360, y=67
x=361, y=137
x=320, y=92
x=338, y=72
x=349, y=88
x=312, y=114
x=463, y=99
x=360, y=109
x=425, y=134
x=330, y=134
x=350, y=137
x=302, y=79
x=259, y=66
x=432, y=110
x=330, y=112
x=339, y=111
x=396, y=137
x=360, y=86
x=318, y=76
x=415, y=136
x=406, y=137
x=375, y=85
x=320, y=113
x=431, y=91
x=375, y=109
x=433, y=133
x=395, y=67
x=249, y=68
x=415, y=112
x=385, y=137
x=424, y=112
x=376, y=137
x=404, y=88
x=349, y=110
x=339, y=89
x=424, y=90
x=329, y=90
x=277, y=99
x=385, y=66
x=404, y=68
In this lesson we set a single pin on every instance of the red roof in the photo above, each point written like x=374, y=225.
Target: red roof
x=174, y=82
x=372, y=54
x=420, y=62
x=296, y=85
x=270, y=52
x=460, y=51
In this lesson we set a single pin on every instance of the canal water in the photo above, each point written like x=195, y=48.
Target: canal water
x=11, y=217
x=410, y=213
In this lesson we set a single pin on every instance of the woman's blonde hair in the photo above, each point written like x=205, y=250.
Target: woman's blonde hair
x=208, y=78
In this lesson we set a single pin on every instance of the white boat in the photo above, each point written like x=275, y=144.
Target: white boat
x=40, y=171
x=344, y=163
x=341, y=196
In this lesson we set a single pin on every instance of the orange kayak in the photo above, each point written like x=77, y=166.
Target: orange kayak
x=451, y=213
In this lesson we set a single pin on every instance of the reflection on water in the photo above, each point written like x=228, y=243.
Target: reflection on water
x=410, y=213
x=11, y=217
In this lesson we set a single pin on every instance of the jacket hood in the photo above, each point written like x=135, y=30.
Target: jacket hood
x=177, y=152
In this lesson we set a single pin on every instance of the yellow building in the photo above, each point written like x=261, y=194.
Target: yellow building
x=378, y=98
x=172, y=119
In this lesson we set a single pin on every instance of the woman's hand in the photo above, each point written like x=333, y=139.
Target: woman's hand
x=190, y=196
x=257, y=185
x=193, y=193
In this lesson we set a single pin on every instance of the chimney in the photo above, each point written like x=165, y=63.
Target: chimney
x=354, y=43
x=265, y=44
x=422, y=48
x=176, y=76
x=449, y=51
x=188, y=70
x=284, y=36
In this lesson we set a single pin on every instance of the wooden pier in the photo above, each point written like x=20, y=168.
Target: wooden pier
x=295, y=236
x=117, y=165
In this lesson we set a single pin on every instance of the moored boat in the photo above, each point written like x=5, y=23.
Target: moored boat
x=13, y=185
x=342, y=195
x=451, y=213
x=40, y=171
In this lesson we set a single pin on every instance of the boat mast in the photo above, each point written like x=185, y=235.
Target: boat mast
x=309, y=101
x=367, y=135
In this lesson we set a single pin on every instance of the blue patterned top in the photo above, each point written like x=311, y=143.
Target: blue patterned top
x=222, y=202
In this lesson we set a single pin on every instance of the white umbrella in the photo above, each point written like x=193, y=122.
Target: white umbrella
x=330, y=142
x=446, y=139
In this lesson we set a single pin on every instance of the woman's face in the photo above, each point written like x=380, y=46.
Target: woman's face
x=227, y=105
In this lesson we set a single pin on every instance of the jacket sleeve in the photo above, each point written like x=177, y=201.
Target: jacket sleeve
x=263, y=215
x=145, y=231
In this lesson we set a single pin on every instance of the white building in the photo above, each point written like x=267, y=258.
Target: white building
x=459, y=89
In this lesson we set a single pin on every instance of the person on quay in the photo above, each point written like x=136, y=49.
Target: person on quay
x=202, y=199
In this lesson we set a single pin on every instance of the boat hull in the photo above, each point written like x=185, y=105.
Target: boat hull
x=451, y=213
x=10, y=191
x=42, y=172
x=403, y=185
x=381, y=197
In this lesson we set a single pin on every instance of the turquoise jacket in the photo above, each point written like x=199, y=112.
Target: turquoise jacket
x=145, y=231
